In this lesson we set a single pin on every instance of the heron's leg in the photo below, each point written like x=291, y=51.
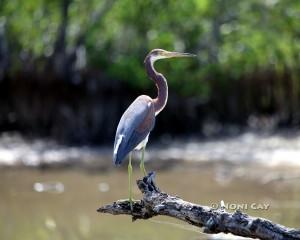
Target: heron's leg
x=142, y=165
x=130, y=181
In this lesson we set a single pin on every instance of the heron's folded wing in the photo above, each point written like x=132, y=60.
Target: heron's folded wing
x=134, y=126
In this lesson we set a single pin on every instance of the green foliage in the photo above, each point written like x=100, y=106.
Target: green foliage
x=232, y=38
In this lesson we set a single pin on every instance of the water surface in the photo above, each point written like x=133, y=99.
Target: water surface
x=29, y=211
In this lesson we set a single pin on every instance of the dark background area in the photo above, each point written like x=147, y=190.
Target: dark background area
x=69, y=69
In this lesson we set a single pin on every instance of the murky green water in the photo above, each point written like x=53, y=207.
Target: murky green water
x=71, y=214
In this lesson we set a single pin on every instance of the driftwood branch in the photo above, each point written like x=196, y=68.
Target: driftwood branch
x=213, y=221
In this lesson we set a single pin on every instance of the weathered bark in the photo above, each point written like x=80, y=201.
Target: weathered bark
x=155, y=203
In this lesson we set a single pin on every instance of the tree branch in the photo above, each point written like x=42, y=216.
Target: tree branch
x=155, y=203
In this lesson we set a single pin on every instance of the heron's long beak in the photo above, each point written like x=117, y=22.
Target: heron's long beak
x=178, y=54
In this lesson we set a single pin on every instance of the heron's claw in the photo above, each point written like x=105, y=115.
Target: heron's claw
x=130, y=204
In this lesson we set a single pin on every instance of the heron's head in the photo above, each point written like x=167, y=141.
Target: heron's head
x=157, y=54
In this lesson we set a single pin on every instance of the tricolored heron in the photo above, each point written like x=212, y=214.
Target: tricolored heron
x=138, y=120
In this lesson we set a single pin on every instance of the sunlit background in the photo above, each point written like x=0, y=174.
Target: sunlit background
x=230, y=130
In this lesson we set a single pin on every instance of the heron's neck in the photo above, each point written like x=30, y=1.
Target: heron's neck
x=161, y=83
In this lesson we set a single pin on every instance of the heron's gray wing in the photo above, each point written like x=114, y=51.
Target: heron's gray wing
x=134, y=126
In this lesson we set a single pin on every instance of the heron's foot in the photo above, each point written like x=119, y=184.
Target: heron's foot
x=128, y=201
x=131, y=204
x=128, y=204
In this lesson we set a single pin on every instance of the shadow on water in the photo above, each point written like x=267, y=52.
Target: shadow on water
x=61, y=204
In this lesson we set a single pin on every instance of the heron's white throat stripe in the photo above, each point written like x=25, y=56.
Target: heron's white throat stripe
x=118, y=143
